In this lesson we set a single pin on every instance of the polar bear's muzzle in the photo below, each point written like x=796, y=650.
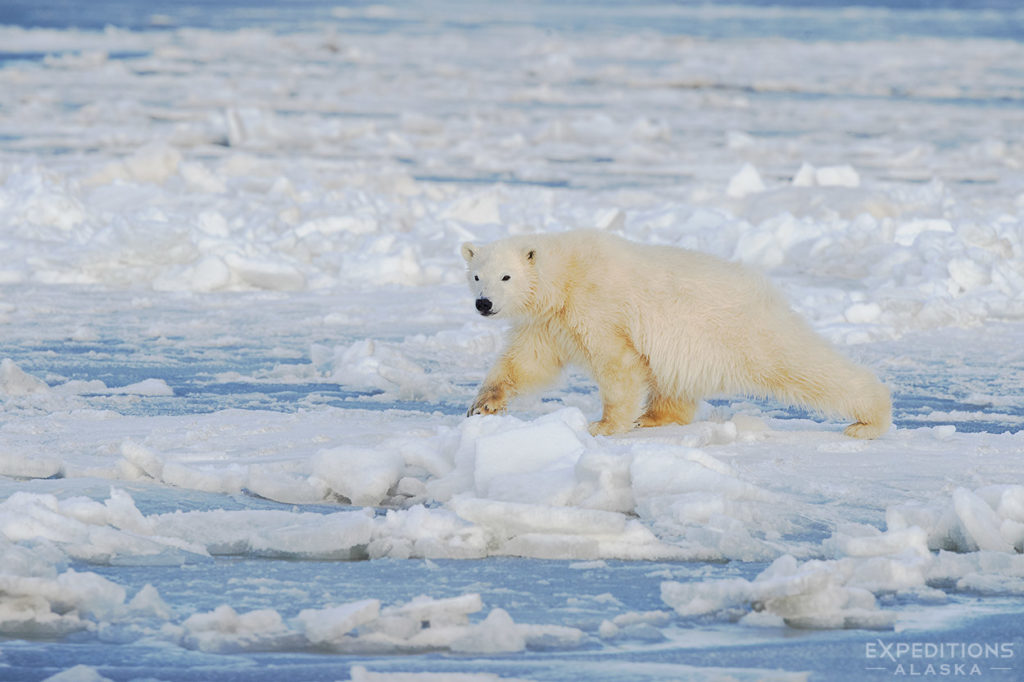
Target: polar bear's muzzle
x=485, y=307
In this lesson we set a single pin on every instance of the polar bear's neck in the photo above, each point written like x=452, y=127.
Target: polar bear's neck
x=559, y=273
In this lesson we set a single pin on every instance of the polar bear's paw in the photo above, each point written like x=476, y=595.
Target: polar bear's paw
x=490, y=400
x=609, y=428
x=865, y=431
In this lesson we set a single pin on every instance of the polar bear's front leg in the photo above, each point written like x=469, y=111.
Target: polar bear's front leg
x=529, y=362
x=622, y=377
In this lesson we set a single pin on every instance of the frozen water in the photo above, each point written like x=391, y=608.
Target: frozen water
x=237, y=350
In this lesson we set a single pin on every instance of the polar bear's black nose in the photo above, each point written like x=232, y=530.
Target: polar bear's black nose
x=483, y=305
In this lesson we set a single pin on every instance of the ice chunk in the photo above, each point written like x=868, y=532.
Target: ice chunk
x=907, y=233
x=866, y=541
x=658, y=471
x=53, y=607
x=210, y=274
x=683, y=478
x=79, y=673
x=1011, y=503
x=265, y=273
x=968, y=274
x=747, y=181
x=330, y=625
x=737, y=139
x=120, y=511
x=863, y=313
x=695, y=599
x=148, y=603
x=497, y=634
x=806, y=176
x=144, y=459
x=201, y=179
x=837, y=176
x=438, y=612
x=276, y=482
x=603, y=482
x=153, y=163
x=984, y=572
x=79, y=526
x=146, y=387
x=561, y=532
x=17, y=465
x=510, y=518
x=533, y=462
x=361, y=475
x=91, y=594
x=979, y=521
x=342, y=535
x=428, y=533
x=15, y=381
x=218, y=477
x=369, y=363
x=224, y=630
x=814, y=594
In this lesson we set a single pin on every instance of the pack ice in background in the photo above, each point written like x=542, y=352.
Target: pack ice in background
x=236, y=345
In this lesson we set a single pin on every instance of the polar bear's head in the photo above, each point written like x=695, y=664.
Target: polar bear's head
x=502, y=276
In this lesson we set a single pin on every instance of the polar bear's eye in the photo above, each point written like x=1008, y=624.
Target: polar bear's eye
x=506, y=278
x=476, y=277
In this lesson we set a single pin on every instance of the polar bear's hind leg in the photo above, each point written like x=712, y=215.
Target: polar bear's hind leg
x=663, y=409
x=827, y=382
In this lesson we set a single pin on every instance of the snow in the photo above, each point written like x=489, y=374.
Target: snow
x=238, y=350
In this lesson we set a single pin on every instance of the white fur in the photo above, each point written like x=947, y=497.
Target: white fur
x=659, y=328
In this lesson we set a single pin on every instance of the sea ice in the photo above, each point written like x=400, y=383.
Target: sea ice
x=233, y=311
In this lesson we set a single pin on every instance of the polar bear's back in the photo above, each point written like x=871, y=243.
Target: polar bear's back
x=699, y=321
x=662, y=281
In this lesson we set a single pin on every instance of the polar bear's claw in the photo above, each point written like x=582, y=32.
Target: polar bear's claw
x=865, y=431
x=489, y=401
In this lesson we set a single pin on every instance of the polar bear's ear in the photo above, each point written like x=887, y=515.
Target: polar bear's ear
x=468, y=251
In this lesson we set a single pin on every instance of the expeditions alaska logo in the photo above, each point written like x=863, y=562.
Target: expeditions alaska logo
x=945, y=659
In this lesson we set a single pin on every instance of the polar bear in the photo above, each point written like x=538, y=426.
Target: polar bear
x=658, y=328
